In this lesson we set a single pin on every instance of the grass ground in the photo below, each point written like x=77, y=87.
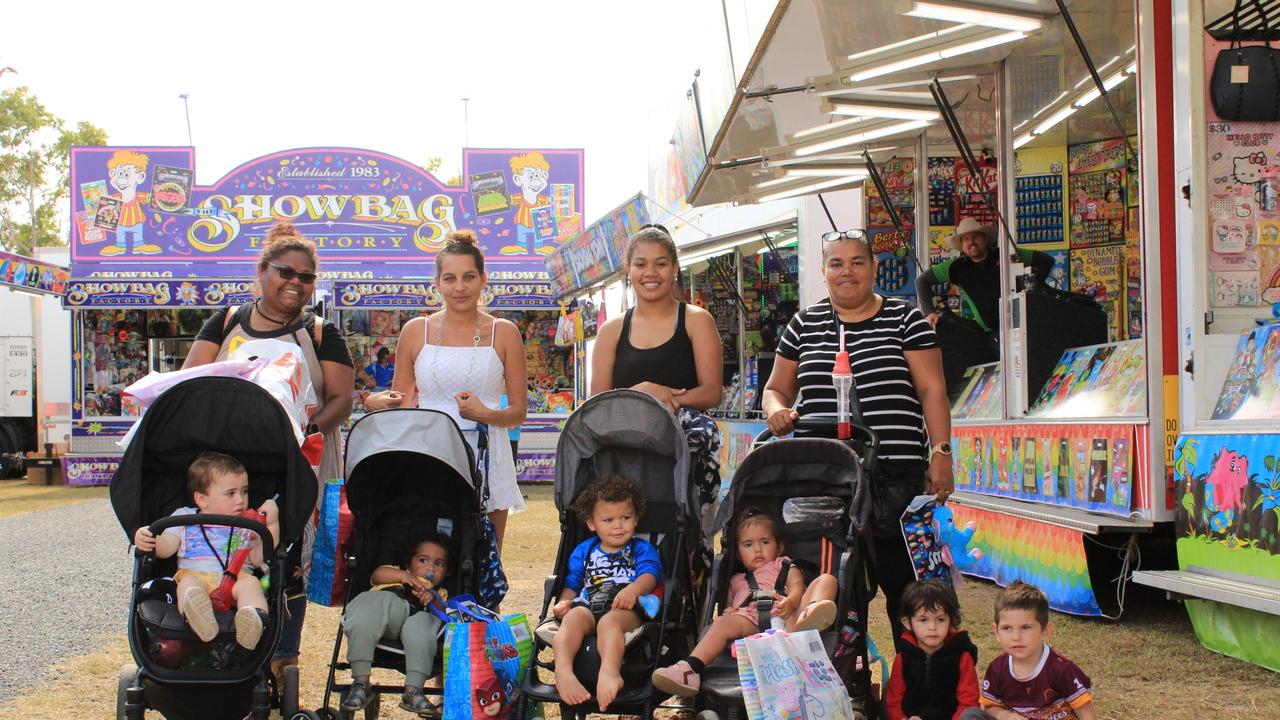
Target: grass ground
x=20, y=496
x=1147, y=666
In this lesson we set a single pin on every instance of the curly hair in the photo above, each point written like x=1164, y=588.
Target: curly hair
x=281, y=238
x=609, y=488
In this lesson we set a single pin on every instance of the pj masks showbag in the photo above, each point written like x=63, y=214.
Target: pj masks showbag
x=485, y=658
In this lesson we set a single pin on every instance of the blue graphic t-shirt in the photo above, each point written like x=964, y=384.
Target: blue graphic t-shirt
x=591, y=568
x=196, y=549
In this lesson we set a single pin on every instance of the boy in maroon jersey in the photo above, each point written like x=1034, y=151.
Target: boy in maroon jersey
x=1030, y=680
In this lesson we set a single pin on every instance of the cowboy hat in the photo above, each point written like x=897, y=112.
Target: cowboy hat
x=969, y=225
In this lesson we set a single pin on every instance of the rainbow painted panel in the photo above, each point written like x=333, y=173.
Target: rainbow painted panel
x=1049, y=557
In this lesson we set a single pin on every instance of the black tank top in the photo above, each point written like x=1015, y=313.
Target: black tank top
x=670, y=363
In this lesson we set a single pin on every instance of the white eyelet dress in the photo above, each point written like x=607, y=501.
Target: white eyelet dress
x=441, y=373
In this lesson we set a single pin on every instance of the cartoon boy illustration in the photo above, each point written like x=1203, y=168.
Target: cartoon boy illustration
x=532, y=174
x=126, y=171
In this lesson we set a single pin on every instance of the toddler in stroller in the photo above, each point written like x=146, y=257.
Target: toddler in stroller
x=402, y=605
x=626, y=433
x=187, y=666
x=607, y=586
x=769, y=585
x=414, y=491
x=219, y=485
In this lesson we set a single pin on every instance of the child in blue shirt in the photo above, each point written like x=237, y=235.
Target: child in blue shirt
x=604, y=582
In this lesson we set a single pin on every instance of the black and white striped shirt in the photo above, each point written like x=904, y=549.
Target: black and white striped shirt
x=881, y=375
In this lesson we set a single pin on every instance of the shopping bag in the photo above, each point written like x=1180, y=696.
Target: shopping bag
x=326, y=582
x=485, y=659
x=747, y=678
x=284, y=375
x=794, y=672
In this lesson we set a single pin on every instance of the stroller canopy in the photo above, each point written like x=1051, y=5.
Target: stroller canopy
x=629, y=433
x=219, y=414
x=394, y=454
x=801, y=467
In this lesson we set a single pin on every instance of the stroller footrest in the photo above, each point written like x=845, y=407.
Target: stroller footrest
x=163, y=616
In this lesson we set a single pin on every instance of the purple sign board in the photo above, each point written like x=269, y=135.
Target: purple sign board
x=134, y=208
x=153, y=292
x=25, y=273
x=536, y=467
x=87, y=470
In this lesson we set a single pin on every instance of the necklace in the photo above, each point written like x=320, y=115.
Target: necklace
x=258, y=307
x=475, y=343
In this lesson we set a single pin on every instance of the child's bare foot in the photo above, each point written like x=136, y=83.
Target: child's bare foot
x=570, y=690
x=198, y=611
x=607, y=688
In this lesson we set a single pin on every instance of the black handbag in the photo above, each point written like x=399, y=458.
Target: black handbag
x=1245, y=84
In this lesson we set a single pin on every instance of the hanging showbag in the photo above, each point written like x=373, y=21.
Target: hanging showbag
x=485, y=659
x=326, y=581
x=1245, y=84
x=793, y=671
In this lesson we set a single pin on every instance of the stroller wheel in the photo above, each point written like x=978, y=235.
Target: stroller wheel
x=326, y=713
x=128, y=675
x=302, y=715
x=569, y=712
x=289, y=691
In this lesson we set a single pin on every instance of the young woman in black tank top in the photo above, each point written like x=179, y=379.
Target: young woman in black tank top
x=663, y=347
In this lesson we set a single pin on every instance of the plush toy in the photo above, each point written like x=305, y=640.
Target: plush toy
x=954, y=541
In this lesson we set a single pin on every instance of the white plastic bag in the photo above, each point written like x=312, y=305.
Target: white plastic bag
x=153, y=385
x=285, y=375
x=794, y=672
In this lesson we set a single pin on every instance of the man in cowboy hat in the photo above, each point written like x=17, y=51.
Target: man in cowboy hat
x=976, y=272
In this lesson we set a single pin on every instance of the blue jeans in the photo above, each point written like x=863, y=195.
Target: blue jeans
x=291, y=632
x=123, y=232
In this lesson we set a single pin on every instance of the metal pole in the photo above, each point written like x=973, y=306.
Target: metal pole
x=466, y=124
x=187, y=108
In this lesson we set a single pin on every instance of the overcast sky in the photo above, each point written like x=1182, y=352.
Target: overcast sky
x=387, y=76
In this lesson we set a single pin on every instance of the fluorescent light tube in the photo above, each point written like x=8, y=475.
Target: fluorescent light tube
x=877, y=110
x=857, y=137
x=934, y=55
x=1022, y=140
x=917, y=40
x=1056, y=117
x=824, y=129
x=810, y=188
x=802, y=171
x=961, y=13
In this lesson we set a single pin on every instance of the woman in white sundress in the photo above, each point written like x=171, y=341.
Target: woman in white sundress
x=461, y=361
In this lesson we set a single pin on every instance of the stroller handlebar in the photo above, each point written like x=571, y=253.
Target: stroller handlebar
x=264, y=535
x=869, y=436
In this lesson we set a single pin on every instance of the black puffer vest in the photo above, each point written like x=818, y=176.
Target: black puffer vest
x=931, y=679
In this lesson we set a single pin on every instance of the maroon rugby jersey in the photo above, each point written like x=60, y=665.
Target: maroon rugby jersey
x=1052, y=693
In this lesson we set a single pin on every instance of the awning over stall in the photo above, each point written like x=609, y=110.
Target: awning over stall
x=26, y=274
x=596, y=255
x=832, y=82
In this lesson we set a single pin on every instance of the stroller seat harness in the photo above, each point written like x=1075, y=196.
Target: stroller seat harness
x=763, y=599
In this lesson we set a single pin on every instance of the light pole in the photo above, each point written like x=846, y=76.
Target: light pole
x=466, y=135
x=186, y=107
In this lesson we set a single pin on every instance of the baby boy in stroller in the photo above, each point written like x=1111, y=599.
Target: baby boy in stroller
x=607, y=586
x=219, y=485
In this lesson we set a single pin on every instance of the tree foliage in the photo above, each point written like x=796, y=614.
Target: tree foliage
x=35, y=149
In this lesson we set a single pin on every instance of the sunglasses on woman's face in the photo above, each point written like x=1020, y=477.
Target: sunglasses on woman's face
x=834, y=235
x=288, y=273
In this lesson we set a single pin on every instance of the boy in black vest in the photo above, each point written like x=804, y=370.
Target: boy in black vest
x=934, y=675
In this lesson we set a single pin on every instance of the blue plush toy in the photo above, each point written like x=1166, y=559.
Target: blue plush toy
x=955, y=541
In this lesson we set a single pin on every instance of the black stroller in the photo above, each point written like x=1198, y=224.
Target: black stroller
x=409, y=472
x=176, y=673
x=818, y=493
x=630, y=433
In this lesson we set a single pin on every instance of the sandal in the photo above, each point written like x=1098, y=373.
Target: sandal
x=678, y=679
x=416, y=702
x=818, y=615
x=358, y=697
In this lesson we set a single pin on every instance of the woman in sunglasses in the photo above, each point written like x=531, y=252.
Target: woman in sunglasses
x=286, y=281
x=898, y=382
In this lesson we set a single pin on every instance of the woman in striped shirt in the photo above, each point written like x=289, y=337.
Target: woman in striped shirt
x=897, y=371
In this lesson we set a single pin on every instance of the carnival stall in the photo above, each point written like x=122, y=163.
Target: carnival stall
x=1226, y=463
x=153, y=255
x=1036, y=121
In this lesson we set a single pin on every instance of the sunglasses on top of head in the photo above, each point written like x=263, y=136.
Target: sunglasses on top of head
x=288, y=273
x=834, y=235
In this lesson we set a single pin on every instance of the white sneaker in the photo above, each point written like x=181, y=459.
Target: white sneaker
x=248, y=627
x=198, y=611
